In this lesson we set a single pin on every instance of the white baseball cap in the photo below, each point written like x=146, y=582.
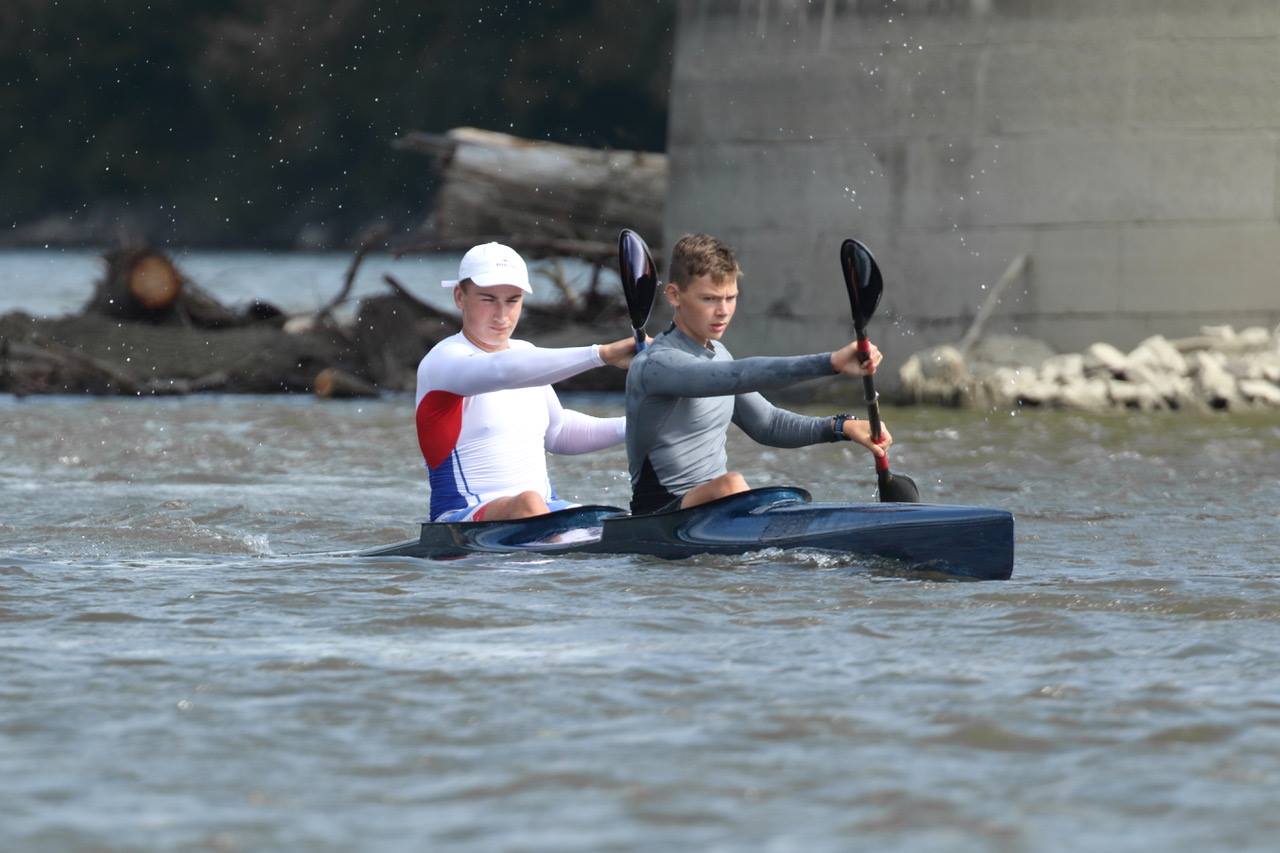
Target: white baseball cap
x=490, y=264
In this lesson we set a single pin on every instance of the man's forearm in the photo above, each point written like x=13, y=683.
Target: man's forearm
x=688, y=377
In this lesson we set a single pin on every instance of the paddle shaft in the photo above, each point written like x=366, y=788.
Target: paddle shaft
x=872, y=399
x=640, y=336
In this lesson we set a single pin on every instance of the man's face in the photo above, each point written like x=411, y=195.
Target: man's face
x=489, y=314
x=704, y=308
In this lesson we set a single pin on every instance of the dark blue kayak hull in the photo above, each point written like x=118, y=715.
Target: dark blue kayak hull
x=966, y=541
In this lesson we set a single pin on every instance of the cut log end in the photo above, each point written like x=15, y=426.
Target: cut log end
x=334, y=384
x=145, y=285
x=154, y=282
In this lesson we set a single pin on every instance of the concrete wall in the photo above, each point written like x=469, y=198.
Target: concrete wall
x=1130, y=147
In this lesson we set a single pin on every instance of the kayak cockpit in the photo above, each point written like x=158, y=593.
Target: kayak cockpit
x=566, y=529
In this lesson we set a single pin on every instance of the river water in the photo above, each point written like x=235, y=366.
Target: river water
x=191, y=656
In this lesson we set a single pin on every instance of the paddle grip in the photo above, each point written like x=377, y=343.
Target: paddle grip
x=640, y=344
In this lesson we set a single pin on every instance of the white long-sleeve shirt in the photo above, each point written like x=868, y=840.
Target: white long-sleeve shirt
x=486, y=419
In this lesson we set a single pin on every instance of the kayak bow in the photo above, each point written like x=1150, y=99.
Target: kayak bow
x=966, y=541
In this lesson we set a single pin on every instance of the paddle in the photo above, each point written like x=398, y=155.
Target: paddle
x=639, y=280
x=864, y=284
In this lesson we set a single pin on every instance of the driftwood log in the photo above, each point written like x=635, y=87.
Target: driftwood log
x=148, y=330
x=93, y=354
x=140, y=284
x=496, y=184
x=373, y=237
x=392, y=333
x=143, y=284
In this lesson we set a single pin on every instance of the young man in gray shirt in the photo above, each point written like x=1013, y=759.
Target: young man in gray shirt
x=685, y=389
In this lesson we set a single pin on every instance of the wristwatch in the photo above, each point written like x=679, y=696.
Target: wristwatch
x=837, y=425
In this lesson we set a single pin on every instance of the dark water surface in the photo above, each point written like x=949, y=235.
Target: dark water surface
x=186, y=663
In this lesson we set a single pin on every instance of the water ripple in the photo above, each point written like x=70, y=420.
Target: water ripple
x=190, y=654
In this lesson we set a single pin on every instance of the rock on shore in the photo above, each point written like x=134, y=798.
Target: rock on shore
x=1219, y=369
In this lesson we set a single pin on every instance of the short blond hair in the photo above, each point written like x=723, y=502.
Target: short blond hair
x=696, y=255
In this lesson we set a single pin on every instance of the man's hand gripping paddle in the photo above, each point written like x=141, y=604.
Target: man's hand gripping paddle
x=864, y=284
x=639, y=281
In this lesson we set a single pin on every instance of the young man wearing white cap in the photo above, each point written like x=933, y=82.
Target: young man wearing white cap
x=485, y=410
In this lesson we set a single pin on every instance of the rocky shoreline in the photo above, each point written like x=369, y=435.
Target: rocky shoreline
x=1220, y=369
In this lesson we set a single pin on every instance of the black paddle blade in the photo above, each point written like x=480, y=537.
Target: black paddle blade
x=639, y=277
x=862, y=281
x=898, y=489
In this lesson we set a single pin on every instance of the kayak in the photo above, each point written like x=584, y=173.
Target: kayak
x=964, y=541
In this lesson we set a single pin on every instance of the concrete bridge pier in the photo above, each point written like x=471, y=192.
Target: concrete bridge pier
x=1129, y=148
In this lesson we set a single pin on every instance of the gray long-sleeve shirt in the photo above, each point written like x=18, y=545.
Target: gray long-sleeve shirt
x=681, y=397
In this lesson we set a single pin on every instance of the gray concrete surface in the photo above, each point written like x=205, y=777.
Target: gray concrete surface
x=1129, y=147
